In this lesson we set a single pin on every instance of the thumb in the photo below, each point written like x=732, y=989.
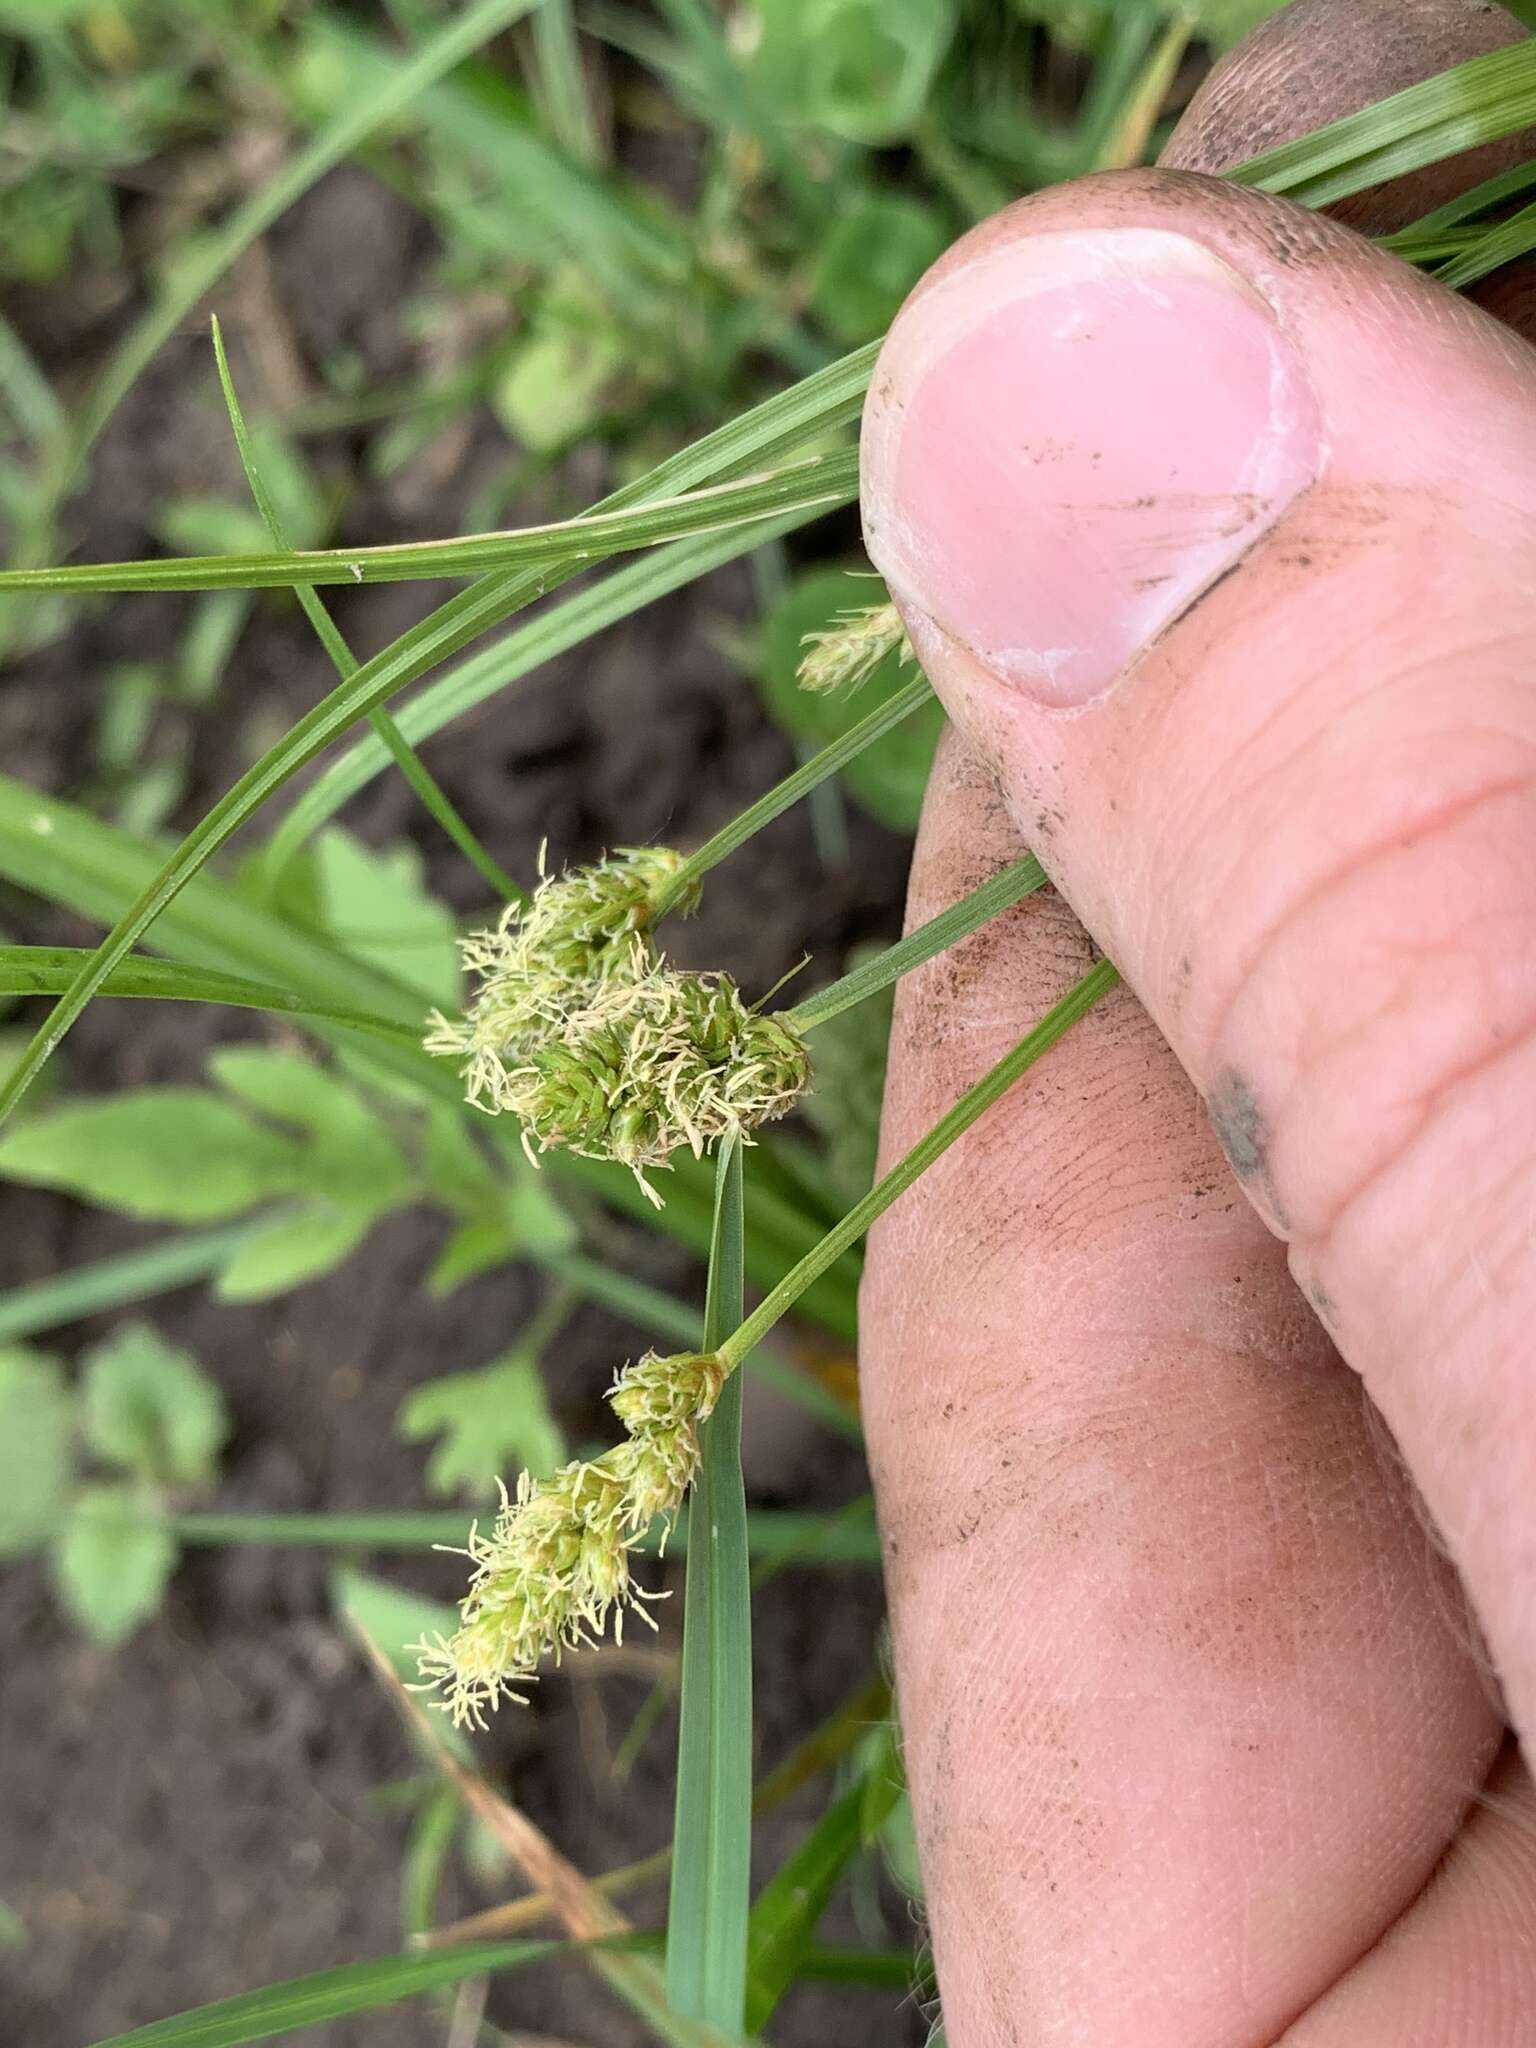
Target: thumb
x=1213, y=527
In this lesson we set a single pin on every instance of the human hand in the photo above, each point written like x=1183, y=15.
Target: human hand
x=1215, y=528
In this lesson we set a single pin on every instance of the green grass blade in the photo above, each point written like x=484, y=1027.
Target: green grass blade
x=47, y=970
x=1482, y=101
x=364, y=115
x=61, y=852
x=819, y=483
x=427, y=792
x=114, y=1283
x=1011, y=885
x=648, y=1308
x=1506, y=242
x=733, y=99
x=711, y=1867
x=845, y=748
x=1466, y=206
x=329, y=1995
x=875, y=1969
x=560, y=84
x=790, y=1905
x=828, y=399
x=774, y=1534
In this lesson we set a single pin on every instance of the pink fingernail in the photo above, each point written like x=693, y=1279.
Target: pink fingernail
x=1070, y=439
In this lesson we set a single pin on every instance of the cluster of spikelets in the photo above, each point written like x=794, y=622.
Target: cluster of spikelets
x=555, y=1568
x=581, y=1031
x=851, y=649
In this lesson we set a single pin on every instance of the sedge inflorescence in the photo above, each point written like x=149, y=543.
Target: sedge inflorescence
x=851, y=649
x=555, y=1567
x=581, y=1031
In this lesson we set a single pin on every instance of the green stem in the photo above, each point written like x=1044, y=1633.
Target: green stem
x=1009, y=886
x=899, y=705
x=805, y=1536
x=974, y=1103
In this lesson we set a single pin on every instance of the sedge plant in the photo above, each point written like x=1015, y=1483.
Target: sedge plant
x=614, y=1071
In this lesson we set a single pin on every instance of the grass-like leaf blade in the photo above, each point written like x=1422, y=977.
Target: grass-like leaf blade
x=789, y=1907
x=329, y=1995
x=772, y=1533
x=46, y=970
x=711, y=1865
x=1010, y=885
x=116, y=1282
x=819, y=483
x=784, y=795
x=1477, y=102
x=511, y=660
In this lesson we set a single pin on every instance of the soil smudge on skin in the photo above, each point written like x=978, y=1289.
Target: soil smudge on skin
x=1243, y=1130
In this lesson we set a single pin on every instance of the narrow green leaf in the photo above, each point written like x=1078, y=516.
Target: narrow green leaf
x=1505, y=242
x=789, y=792
x=28, y=396
x=45, y=970
x=513, y=660
x=1011, y=885
x=63, y=853
x=1466, y=206
x=820, y=482
x=711, y=1867
x=1481, y=101
x=774, y=1534
x=876, y=1969
x=789, y=1907
x=561, y=84
x=767, y=430
x=648, y=1308
x=329, y=1995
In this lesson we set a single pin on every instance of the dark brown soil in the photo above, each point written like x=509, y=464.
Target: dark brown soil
x=198, y=1814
